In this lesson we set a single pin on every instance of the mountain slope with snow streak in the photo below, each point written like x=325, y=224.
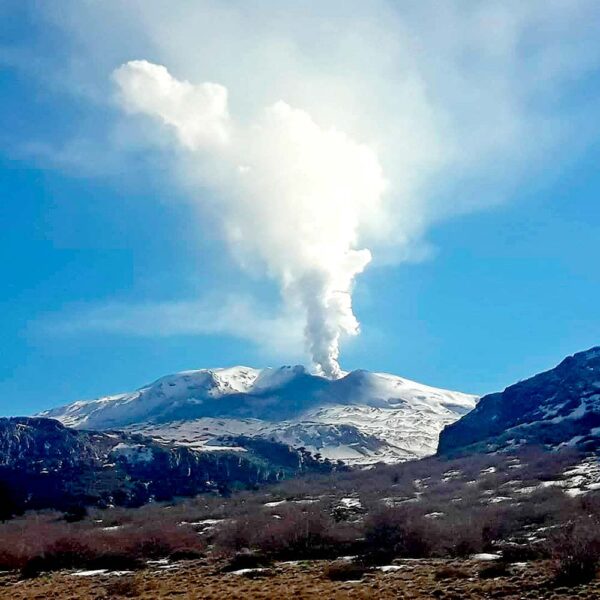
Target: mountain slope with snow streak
x=361, y=418
x=553, y=409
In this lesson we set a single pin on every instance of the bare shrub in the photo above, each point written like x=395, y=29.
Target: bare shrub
x=393, y=532
x=158, y=541
x=496, y=569
x=345, y=571
x=45, y=542
x=541, y=465
x=438, y=510
x=547, y=506
x=186, y=554
x=297, y=533
x=78, y=552
x=28, y=536
x=76, y=512
x=64, y=553
x=238, y=534
x=575, y=549
x=114, y=561
x=590, y=504
x=514, y=552
x=246, y=560
x=459, y=537
x=305, y=533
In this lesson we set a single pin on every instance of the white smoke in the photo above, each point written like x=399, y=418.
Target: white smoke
x=289, y=192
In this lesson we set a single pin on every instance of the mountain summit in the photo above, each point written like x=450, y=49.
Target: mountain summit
x=361, y=417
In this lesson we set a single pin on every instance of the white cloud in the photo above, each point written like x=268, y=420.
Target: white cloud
x=457, y=101
x=197, y=113
x=238, y=317
x=290, y=194
x=446, y=93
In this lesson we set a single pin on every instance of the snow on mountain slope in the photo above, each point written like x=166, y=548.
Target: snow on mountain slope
x=151, y=401
x=362, y=417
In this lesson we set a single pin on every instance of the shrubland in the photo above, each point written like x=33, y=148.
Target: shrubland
x=516, y=506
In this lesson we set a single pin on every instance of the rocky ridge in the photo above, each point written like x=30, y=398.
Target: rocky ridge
x=554, y=409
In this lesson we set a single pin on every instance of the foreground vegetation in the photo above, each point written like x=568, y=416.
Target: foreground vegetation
x=533, y=506
x=424, y=579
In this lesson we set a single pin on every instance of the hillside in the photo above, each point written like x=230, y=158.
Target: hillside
x=44, y=464
x=557, y=408
x=523, y=525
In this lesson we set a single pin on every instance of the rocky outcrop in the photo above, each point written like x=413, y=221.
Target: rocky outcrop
x=44, y=464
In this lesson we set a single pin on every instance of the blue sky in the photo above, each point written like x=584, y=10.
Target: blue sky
x=112, y=276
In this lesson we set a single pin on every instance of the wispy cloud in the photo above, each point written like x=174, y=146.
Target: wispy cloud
x=460, y=99
x=237, y=317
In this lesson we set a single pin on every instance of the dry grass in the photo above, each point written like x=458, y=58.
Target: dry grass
x=416, y=580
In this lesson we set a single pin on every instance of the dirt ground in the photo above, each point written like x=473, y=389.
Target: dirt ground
x=409, y=579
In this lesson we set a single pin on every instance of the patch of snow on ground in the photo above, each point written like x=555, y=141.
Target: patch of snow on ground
x=450, y=475
x=274, y=503
x=350, y=503
x=498, y=499
x=96, y=572
x=132, y=452
x=526, y=490
x=584, y=475
x=208, y=447
x=548, y=484
x=206, y=523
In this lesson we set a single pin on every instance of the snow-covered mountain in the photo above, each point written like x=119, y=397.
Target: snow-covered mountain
x=362, y=417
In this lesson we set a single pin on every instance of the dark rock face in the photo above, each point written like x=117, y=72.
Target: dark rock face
x=558, y=407
x=44, y=464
